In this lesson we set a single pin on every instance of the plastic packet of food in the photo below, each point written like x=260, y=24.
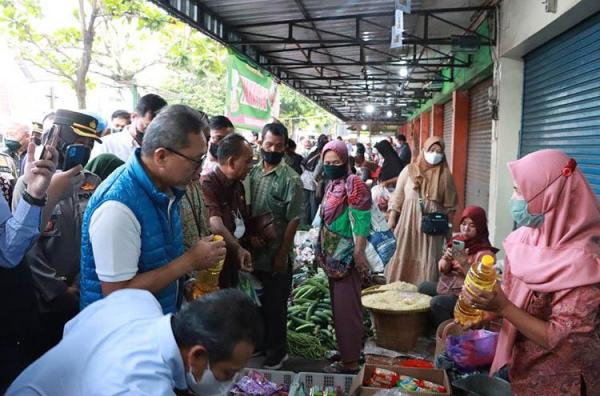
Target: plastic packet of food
x=412, y=384
x=383, y=378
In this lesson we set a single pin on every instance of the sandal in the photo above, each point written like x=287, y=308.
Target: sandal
x=339, y=368
x=333, y=356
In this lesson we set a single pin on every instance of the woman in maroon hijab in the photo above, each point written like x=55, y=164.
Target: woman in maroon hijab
x=454, y=267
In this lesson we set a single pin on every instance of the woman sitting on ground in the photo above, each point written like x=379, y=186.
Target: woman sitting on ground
x=454, y=267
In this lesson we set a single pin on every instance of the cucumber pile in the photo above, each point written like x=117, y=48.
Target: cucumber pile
x=310, y=317
x=309, y=311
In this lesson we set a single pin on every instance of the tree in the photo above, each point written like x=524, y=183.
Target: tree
x=112, y=42
x=198, y=69
x=70, y=52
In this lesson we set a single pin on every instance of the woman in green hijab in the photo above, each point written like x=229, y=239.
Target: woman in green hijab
x=103, y=165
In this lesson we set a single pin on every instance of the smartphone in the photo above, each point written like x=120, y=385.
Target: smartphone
x=458, y=247
x=76, y=154
x=51, y=141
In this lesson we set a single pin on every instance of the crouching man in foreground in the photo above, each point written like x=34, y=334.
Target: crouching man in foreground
x=123, y=344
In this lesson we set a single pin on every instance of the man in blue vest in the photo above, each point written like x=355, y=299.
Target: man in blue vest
x=132, y=234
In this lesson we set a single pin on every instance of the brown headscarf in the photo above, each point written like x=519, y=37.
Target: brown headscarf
x=434, y=181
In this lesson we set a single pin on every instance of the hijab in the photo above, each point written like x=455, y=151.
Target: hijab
x=103, y=165
x=564, y=252
x=435, y=182
x=481, y=241
x=340, y=192
x=392, y=164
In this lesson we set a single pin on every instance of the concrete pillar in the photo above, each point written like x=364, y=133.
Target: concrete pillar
x=425, y=131
x=437, y=120
x=460, y=137
x=505, y=146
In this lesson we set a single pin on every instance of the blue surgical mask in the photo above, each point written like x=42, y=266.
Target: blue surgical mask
x=521, y=216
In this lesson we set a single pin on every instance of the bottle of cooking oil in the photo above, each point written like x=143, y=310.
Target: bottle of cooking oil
x=480, y=277
x=207, y=281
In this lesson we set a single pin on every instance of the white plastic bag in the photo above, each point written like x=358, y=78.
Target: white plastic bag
x=381, y=242
x=381, y=197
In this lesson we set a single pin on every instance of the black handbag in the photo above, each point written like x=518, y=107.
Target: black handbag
x=433, y=223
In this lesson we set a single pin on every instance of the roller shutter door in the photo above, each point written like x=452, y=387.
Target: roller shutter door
x=479, y=148
x=561, y=98
x=448, y=130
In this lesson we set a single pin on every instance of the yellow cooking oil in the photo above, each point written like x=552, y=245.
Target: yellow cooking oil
x=207, y=281
x=480, y=277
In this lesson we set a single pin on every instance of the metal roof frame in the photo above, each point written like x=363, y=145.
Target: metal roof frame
x=333, y=68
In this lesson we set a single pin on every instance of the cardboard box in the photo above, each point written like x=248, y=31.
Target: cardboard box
x=434, y=375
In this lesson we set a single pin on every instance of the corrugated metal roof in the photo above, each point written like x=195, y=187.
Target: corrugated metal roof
x=337, y=52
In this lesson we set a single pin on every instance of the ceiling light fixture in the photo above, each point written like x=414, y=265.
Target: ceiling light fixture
x=369, y=108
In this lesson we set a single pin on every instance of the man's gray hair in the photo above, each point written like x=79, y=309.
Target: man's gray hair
x=171, y=127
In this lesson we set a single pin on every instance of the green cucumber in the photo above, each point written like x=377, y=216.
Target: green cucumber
x=310, y=310
x=305, y=327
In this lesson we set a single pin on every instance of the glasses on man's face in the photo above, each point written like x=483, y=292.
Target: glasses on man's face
x=198, y=163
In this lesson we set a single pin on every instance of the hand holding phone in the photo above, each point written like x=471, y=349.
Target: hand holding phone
x=458, y=247
x=52, y=141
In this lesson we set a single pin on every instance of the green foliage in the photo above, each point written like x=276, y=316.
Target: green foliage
x=198, y=69
x=300, y=112
x=129, y=37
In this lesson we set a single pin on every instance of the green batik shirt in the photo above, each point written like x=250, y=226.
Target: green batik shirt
x=278, y=192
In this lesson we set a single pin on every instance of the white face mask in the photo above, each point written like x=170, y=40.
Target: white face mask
x=240, y=227
x=433, y=158
x=208, y=385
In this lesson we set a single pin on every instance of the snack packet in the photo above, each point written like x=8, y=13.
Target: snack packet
x=383, y=378
x=418, y=385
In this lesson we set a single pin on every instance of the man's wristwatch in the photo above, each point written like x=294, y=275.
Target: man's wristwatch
x=34, y=201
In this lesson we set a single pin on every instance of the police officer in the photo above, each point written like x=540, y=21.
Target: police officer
x=54, y=258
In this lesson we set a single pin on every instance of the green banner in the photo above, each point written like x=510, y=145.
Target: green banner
x=251, y=99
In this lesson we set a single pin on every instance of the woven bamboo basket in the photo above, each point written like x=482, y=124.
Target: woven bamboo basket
x=398, y=330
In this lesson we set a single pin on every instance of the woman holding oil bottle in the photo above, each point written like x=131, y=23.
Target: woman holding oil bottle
x=550, y=295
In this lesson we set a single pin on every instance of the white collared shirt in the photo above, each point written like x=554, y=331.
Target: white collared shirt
x=122, y=344
x=120, y=144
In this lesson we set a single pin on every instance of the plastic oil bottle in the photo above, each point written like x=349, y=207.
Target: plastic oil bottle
x=480, y=277
x=207, y=281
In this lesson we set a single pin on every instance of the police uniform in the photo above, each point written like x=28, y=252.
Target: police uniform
x=54, y=259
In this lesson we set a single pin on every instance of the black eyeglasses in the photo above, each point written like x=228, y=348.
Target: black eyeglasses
x=195, y=161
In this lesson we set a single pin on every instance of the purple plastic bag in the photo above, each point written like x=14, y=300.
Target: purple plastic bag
x=475, y=348
x=255, y=384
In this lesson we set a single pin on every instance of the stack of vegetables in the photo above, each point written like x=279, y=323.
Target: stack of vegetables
x=310, y=318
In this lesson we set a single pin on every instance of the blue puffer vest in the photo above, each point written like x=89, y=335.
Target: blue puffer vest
x=162, y=234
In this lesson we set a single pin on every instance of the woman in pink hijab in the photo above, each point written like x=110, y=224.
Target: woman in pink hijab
x=550, y=296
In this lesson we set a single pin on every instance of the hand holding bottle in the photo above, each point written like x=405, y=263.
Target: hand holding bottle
x=494, y=301
x=207, y=253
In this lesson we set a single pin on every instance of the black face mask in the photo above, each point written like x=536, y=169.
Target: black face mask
x=333, y=172
x=213, y=149
x=139, y=136
x=272, y=157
